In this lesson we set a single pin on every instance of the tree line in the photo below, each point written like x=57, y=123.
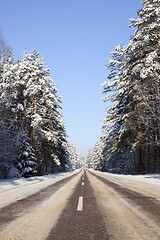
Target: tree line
x=131, y=128
x=33, y=138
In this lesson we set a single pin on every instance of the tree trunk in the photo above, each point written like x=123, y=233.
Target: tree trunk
x=141, y=165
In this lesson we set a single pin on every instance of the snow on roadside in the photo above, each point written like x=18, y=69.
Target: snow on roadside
x=152, y=178
x=148, y=185
x=6, y=184
x=12, y=190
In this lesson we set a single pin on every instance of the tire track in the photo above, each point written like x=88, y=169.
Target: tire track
x=20, y=207
x=148, y=204
x=86, y=224
x=124, y=219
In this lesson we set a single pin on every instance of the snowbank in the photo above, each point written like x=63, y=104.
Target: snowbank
x=12, y=190
x=148, y=185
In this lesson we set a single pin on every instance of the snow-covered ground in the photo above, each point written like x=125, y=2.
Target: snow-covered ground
x=15, y=189
x=12, y=190
x=124, y=217
x=148, y=185
x=129, y=204
x=36, y=221
x=154, y=178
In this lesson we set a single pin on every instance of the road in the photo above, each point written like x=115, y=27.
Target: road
x=87, y=205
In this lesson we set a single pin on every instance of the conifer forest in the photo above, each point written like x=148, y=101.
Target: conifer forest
x=33, y=136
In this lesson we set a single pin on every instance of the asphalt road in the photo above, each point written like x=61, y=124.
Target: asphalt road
x=85, y=206
x=81, y=219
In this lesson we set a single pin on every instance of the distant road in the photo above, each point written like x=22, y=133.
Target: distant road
x=88, y=205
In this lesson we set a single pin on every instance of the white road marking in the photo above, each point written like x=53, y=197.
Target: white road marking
x=82, y=183
x=80, y=204
x=83, y=178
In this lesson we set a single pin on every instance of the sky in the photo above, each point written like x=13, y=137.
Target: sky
x=75, y=38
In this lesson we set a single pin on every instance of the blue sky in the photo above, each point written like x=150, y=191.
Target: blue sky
x=75, y=37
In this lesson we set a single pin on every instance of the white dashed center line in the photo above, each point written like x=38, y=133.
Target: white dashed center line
x=82, y=183
x=80, y=204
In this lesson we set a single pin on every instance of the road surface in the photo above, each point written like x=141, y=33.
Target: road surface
x=86, y=205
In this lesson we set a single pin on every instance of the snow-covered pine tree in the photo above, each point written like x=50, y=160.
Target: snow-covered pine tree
x=118, y=87
x=9, y=92
x=30, y=103
x=134, y=81
x=74, y=158
x=116, y=127
x=144, y=72
x=11, y=112
x=47, y=131
x=26, y=160
x=95, y=159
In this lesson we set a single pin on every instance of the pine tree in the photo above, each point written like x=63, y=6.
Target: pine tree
x=134, y=82
x=74, y=158
x=30, y=104
x=10, y=112
x=26, y=160
x=95, y=158
x=9, y=91
x=116, y=127
x=144, y=71
x=47, y=131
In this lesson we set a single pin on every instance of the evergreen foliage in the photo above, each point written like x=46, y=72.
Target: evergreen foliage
x=74, y=158
x=131, y=140
x=26, y=160
x=30, y=116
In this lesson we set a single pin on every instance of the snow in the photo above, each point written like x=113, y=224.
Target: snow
x=20, y=107
x=147, y=185
x=12, y=190
x=37, y=221
x=146, y=178
x=125, y=215
x=56, y=160
x=25, y=153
